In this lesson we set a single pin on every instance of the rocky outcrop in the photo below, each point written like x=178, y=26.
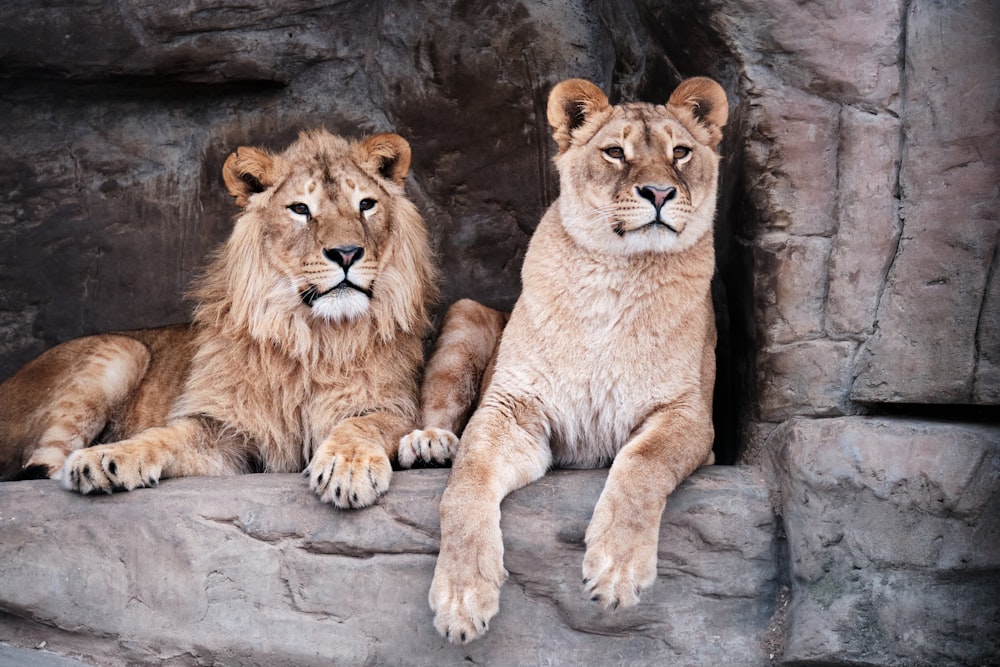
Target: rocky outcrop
x=893, y=529
x=883, y=555
x=255, y=570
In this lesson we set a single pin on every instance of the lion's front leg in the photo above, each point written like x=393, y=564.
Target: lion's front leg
x=352, y=468
x=500, y=452
x=457, y=371
x=176, y=450
x=622, y=536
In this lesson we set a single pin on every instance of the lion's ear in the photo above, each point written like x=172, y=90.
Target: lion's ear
x=387, y=155
x=571, y=104
x=247, y=172
x=701, y=105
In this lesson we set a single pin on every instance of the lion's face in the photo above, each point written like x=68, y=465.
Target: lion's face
x=327, y=228
x=328, y=217
x=637, y=178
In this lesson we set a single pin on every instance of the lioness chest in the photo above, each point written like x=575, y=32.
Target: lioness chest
x=609, y=344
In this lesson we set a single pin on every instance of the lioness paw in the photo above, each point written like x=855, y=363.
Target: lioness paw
x=109, y=468
x=349, y=476
x=465, y=591
x=464, y=601
x=616, y=567
x=430, y=445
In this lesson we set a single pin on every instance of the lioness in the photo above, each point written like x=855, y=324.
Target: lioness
x=608, y=355
x=305, y=346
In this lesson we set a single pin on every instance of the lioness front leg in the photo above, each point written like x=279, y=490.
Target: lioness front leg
x=185, y=447
x=502, y=449
x=352, y=468
x=622, y=536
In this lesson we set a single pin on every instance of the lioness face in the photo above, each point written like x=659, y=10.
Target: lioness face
x=637, y=178
x=324, y=218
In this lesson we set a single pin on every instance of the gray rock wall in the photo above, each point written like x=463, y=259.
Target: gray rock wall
x=872, y=164
x=858, y=293
x=893, y=529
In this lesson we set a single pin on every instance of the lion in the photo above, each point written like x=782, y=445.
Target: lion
x=607, y=358
x=304, y=352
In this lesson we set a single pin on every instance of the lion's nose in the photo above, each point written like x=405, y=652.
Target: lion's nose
x=344, y=255
x=657, y=195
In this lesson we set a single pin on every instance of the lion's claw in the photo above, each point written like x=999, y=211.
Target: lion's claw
x=108, y=468
x=465, y=591
x=350, y=476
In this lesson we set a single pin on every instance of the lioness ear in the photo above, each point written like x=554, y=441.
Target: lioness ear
x=247, y=172
x=387, y=155
x=571, y=104
x=701, y=105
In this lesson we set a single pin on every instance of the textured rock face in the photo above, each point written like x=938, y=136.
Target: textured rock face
x=857, y=251
x=943, y=269
x=894, y=541
x=874, y=184
x=114, y=136
x=891, y=554
x=254, y=570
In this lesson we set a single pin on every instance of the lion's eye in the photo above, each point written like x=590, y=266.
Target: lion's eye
x=298, y=208
x=681, y=152
x=366, y=204
x=615, y=152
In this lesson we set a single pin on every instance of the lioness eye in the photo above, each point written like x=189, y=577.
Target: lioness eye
x=615, y=152
x=299, y=208
x=367, y=204
x=681, y=152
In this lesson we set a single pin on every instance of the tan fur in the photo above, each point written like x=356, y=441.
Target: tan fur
x=608, y=356
x=281, y=367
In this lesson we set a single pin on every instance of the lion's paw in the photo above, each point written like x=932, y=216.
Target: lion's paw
x=430, y=445
x=349, y=476
x=107, y=468
x=616, y=566
x=464, y=596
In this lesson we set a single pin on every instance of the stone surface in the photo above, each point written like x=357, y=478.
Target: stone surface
x=846, y=50
x=868, y=221
x=255, y=570
x=791, y=286
x=803, y=378
x=894, y=541
x=35, y=657
x=950, y=199
x=792, y=160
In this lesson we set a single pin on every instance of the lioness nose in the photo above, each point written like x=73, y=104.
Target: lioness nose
x=657, y=195
x=344, y=255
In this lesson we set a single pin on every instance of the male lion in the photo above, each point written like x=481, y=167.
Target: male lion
x=608, y=354
x=305, y=346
